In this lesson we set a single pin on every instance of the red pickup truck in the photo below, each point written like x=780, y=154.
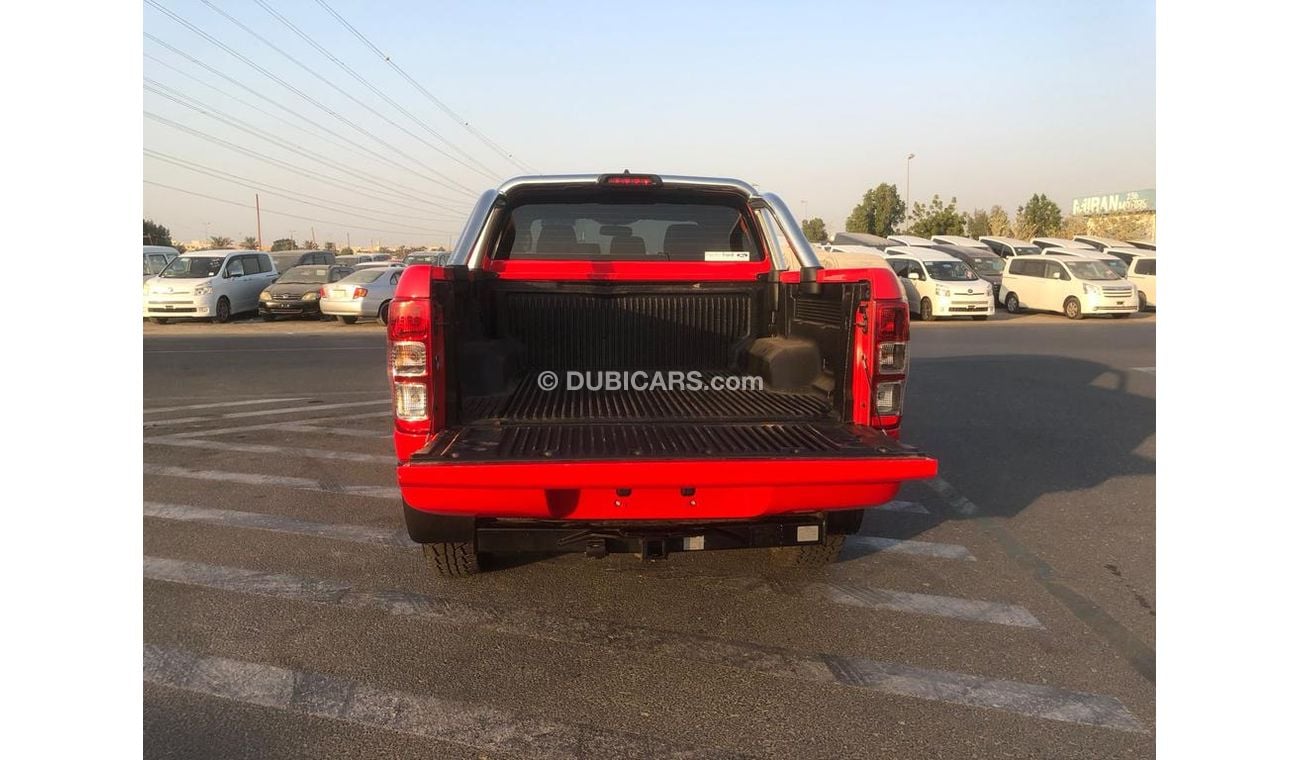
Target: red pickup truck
x=643, y=363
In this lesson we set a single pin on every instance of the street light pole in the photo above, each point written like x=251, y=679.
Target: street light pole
x=907, y=204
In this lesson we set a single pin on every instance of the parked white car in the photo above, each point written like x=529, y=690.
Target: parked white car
x=939, y=285
x=364, y=293
x=912, y=240
x=1071, y=285
x=960, y=240
x=1007, y=247
x=156, y=259
x=1115, y=263
x=208, y=285
x=1142, y=273
x=1054, y=242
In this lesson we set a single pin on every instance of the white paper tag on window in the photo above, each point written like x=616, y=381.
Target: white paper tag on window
x=726, y=255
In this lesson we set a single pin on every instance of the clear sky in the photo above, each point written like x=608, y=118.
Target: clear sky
x=816, y=101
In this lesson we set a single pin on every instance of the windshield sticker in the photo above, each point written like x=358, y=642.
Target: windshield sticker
x=726, y=255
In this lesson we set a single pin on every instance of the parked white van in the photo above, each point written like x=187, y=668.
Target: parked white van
x=1116, y=264
x=1142, y=273
x=1071, y=285
x=912, y=240
x=208, y=285
x=939, y=285
x=156, y=259
x=1055, y=242
x=1007, y=247
x=960, y=240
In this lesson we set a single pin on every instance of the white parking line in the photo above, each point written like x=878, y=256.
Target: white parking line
x=923, y=604
x=263, y=448
x=345, y=432
x=919, y=548
x=280, y=481
x=480, y=727
x=1148, y=370
x=214, y=405
x=262, y=413
x=910, y=507
x=889, y=678
x=279, y=425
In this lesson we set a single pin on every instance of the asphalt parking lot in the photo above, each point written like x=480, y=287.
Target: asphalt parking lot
x=1006, y=609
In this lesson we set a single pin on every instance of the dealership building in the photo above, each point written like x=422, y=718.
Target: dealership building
x=1129, y=215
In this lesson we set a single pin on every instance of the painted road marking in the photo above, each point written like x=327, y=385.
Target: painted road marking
x=903, y=546
x=860, y=673
x=263, y=448
x=976, y=610
x=276, y=425
x=215, y=405
x=480, y=727
x=910, y=507
x=262, y=413
x=345, y=432
x=278, y=524
x=280, y=481
x=1148, y=370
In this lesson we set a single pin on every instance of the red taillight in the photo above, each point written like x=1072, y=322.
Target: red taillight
x=359, y=293
x=627, y=179
x=413, y=364
x=882, y=364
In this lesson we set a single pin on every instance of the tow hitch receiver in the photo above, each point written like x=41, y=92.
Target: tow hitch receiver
x=647, y=540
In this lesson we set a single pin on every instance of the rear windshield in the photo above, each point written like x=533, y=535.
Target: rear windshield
x=306, y=274
x=364, y=275
x=628, y=231
x=192, y=267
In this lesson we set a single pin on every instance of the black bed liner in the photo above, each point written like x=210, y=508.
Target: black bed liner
x=552, y=442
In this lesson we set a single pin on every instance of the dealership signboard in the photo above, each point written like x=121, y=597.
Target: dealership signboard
x=1129, y=202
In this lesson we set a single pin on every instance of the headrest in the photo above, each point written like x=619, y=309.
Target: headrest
x=627, y=245
x=557, y=238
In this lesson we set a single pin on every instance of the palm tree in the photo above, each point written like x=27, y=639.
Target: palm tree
x=249, y=242
x=217, y=241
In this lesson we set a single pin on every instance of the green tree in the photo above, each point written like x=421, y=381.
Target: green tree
x=249, y=243
x=216, y=241
x=999, y=223
x=1039, y=216
x=879, y=213
x=156, y=234
x=815, y=230
x=937, y=218
x=977, y=223
x=285, y=244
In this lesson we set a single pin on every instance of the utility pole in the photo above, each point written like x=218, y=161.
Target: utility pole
x=257, y=201
x=313, y=234
x=349, y=240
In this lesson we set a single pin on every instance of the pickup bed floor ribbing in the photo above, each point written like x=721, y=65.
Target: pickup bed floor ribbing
x=529, y=403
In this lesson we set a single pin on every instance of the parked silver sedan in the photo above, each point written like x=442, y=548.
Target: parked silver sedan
x=363, y=294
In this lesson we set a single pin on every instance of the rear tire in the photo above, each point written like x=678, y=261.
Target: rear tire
x=1013, y=303
x=927, y=310
x=1073, y=309
x=452, y=559
x=160, y=320
x=1142, y=301
x=812, y=555
x=349, y=320
x=383, y=312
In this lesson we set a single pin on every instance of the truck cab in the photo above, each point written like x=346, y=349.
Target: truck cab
x=643, y=363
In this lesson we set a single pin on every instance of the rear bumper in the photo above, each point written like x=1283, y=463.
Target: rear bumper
x=670, y=490
x=340, y=308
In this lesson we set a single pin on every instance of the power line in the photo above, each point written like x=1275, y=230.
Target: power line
x=300, y=93
x=286, y=194
x=340, y=90
x=294, y=216
x=346, y=142
x=445, y=108
x=194, y=104
x=351, y=72
x=313, y=175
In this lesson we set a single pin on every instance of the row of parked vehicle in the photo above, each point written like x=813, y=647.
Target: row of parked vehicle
x=952, y=275
x=218, y=284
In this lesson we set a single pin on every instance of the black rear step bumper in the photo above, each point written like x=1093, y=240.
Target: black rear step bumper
x=647, y=540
